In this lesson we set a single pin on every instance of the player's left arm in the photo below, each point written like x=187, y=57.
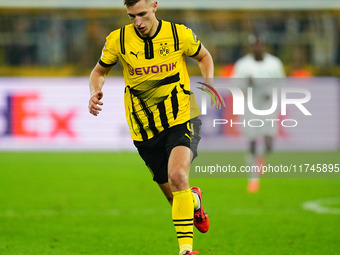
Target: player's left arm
x=206, y=65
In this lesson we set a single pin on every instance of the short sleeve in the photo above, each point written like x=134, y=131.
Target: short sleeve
x=109, y=55
x=191, y=44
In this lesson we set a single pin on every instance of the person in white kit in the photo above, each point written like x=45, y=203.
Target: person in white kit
x=263, y=73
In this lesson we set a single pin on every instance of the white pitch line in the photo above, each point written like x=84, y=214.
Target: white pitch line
x=321, y=206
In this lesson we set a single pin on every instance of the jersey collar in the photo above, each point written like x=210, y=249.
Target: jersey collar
x=152, y=37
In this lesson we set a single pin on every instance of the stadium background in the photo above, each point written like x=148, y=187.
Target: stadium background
x=58, y=202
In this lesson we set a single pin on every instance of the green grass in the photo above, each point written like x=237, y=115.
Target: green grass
x=106, y=203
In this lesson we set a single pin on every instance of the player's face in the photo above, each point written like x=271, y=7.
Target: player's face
x=142, y=14
x=258, y=49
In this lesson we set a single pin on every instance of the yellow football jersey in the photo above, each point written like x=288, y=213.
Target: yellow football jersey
x=157, y=86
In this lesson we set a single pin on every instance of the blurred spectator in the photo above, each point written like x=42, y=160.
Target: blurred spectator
x=337, y=58
x=76, y=34
x=96, y=34
x=323, y=35
x=51, y=44
x=299, y=68
x=22, y=50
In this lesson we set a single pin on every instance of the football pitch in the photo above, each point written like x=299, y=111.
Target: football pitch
x=106, y=203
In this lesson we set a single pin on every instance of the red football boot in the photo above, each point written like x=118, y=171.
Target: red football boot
x=191, y=252
x=201, y=219
x=253, y=186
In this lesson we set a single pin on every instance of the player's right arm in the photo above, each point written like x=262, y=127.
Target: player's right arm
x=108, y=59
x=97, y=79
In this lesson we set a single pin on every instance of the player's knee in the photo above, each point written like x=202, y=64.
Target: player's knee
x=178, y=178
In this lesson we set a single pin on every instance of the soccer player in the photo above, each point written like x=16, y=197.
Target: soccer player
x=261, y=71
x=160, y=108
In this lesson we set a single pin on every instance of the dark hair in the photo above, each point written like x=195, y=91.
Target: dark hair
x=129, y=3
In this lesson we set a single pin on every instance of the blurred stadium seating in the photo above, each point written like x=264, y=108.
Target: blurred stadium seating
x=38, y=39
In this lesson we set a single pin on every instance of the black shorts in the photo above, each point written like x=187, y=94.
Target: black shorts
x=156, y=151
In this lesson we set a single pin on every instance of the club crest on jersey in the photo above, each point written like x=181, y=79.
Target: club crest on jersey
x=164, y=50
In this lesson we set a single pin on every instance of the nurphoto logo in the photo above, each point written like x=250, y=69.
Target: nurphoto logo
x=243, y=104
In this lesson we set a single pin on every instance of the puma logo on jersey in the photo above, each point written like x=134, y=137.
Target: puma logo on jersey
x=135, y=54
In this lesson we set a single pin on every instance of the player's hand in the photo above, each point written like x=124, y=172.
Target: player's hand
x=94, y=101
x=216, y=98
